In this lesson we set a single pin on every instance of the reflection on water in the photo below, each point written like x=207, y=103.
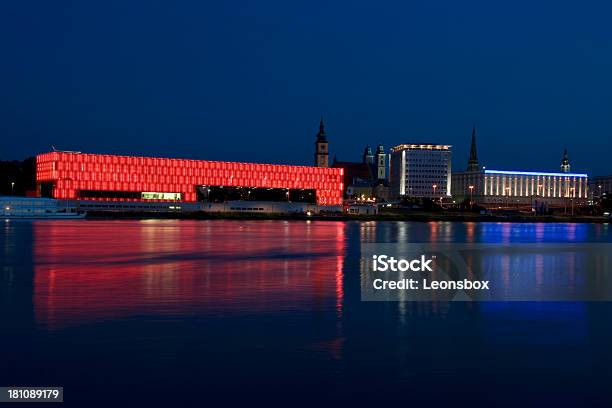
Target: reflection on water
x=241, y=309
x=103, y=270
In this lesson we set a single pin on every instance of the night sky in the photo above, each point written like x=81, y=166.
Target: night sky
x=248, y=81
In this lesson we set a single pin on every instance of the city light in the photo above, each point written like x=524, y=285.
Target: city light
x=535, y=173
x=471, y=194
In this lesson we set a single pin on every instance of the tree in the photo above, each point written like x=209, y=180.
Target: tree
x=18, y=177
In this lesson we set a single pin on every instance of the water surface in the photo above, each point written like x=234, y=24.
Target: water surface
x=228, y=312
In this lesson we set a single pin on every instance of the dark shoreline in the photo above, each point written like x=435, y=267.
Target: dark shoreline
x=417, y=217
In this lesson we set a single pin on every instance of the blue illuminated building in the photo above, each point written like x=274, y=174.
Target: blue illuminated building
x=512, y=188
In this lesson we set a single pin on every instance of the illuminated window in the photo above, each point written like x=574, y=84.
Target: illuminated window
x=161, y=196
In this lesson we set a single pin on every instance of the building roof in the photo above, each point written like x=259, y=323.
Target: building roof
x=355, y=171
x=420, y=146
x=534, y=173
x=381, y=182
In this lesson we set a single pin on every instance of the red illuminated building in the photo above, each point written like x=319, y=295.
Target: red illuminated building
x=71, y=175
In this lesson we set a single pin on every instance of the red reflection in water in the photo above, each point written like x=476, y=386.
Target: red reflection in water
x=93, y=270
x=469, y=230
x=433, y=231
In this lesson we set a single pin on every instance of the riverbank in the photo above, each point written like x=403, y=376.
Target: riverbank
x=409, y=216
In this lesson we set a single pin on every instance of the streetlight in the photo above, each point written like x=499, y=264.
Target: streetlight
x=471, y=195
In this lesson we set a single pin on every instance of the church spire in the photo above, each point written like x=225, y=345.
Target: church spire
x=321, y=156
x=473, y=161
x=565, y=164
x=321, y=136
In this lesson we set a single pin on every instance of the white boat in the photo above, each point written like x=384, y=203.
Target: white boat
x=37, y=208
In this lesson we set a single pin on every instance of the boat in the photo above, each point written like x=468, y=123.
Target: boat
x=37, y=208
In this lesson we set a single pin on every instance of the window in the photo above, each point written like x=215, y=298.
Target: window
x=160, y=196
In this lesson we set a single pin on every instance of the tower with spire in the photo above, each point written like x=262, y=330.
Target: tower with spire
x=368, y=157
x=321, y=156
x=565, y=164
x=473, y=160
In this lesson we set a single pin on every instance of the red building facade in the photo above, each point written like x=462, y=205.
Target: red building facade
x=69, y=175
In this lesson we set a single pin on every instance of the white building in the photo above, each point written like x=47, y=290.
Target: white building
x=503, y=188
x=420, y=170
x=498, y=186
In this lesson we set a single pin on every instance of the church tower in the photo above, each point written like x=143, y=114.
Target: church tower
x=565, y=164
x=473, y=161
x=368, y=157
x=321, y=156
x=381, y=163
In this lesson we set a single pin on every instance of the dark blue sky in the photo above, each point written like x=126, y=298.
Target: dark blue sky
x=249, y=80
